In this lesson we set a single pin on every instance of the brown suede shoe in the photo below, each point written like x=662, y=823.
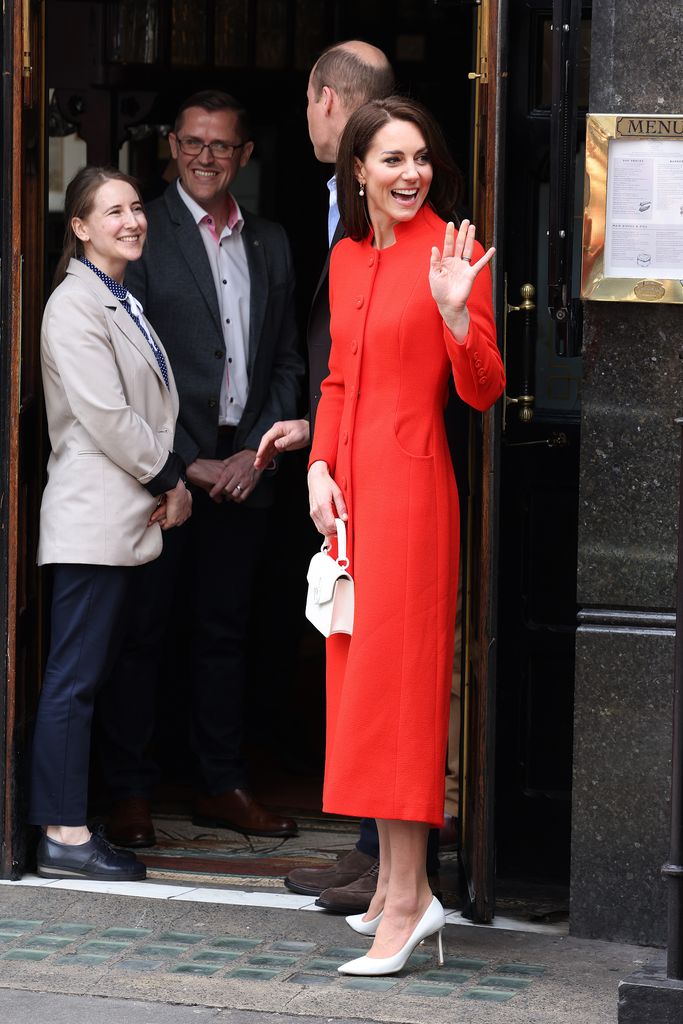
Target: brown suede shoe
x=130, y=823
x=347, y=868
x=356, y=897
x=353, y=898
x=236, y=809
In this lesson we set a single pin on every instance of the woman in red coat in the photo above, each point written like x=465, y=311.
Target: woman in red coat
x=411, y=303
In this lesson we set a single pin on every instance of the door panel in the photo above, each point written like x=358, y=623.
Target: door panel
x=21, y=433
x=479, y=690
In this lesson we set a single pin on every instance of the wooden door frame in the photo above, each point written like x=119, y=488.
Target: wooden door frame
x=21, y=299
x=480, y=627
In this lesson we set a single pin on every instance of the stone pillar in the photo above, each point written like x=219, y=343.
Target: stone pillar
x=632, y=390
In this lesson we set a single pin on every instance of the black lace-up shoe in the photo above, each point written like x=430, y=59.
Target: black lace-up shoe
x=95, y=860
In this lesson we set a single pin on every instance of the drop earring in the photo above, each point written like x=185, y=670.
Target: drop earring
x=361, y=190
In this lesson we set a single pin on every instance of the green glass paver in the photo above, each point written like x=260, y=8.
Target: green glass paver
x=134, y=964
x=18, y=925
x=530, y=969
x=154, y=950
x=8, y=936
x=289, y=946
x=253, y=973
x=369, y=984
x=265, y=960
x=324, y=965
x=230, y=942
x=421, y=988
x=216, y=956
x=310, y=979
x=202, y=969
x=464, y=964
x=491, y=995
x=493, y=981
x=47, y=942
x=82, y=960
x=447, y=977
x=25, y=954
x=181, y=938
x=345, y=952
x=104, y=946
x=126, y=933
x=67, y=928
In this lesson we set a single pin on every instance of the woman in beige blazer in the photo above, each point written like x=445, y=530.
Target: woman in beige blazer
x=114, y=483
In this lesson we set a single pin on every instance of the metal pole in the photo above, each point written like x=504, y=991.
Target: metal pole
x=673, y=870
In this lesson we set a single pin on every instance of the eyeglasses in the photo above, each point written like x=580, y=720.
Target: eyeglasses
x=219, y=150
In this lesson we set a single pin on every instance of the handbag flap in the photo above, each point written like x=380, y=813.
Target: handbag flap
x=323, y=573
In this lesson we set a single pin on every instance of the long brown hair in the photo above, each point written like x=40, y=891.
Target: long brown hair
x=361, y=128
x=78, y=202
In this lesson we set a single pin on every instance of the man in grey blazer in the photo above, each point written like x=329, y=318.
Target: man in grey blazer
x=217, y=284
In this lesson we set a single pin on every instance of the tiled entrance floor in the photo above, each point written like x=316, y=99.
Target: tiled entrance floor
x=74, y=943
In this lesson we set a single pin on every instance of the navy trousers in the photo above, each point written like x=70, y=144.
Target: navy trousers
x=87, y=626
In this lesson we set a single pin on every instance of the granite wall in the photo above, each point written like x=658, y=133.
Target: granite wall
x=632, y=389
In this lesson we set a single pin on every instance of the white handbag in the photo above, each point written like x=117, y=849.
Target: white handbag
x=330, y=599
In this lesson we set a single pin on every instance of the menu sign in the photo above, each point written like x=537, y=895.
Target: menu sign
x=644, y=215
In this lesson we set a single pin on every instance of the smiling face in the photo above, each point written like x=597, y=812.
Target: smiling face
x=205, y=177
x=396, y=172
x=114, y=231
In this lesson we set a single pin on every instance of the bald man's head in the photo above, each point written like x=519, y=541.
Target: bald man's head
x=357, y=71
x=344, y=77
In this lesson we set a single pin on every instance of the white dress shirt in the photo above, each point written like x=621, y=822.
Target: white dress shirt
x=230, y=271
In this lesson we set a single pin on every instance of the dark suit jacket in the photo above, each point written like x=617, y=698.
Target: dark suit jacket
x=173, y=281
x=318, y=334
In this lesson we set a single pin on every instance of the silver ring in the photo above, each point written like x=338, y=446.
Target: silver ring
x=238, y=487
x=466, y=259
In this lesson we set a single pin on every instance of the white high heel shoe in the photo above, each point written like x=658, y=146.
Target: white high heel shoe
x=356, y=922
x=433, y=920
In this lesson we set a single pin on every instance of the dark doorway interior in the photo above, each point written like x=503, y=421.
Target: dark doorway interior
x=118, y=79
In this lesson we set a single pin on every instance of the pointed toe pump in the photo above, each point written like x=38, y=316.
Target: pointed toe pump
x=370, y=927
x=431, y=922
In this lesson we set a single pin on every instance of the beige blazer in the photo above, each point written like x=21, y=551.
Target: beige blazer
x=111, y=421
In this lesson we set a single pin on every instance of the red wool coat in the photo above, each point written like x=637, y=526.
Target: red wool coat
x=380, y=428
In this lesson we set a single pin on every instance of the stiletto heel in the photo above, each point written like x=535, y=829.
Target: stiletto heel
x=433, y=920
x=370, y=927
x=439, y=939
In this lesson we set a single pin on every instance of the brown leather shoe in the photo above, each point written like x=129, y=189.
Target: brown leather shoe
x=356, y=897
x=236, y=809
x=130, y=823
x=347, y=868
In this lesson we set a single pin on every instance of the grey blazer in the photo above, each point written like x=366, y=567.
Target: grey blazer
x=111, y=421
x=173, y=282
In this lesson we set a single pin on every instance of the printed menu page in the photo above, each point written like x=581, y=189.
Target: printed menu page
x=644, y=220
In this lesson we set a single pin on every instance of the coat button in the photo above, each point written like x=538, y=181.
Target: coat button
x=212, y=403
x=484, y=379
x=371, y=261
x=218, y=353
x=354, y=346
x=477, y=363
x=345, y=438
x=359, y=302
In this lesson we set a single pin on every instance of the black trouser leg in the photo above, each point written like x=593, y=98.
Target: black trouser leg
x=227, y=542
x=127, y=702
